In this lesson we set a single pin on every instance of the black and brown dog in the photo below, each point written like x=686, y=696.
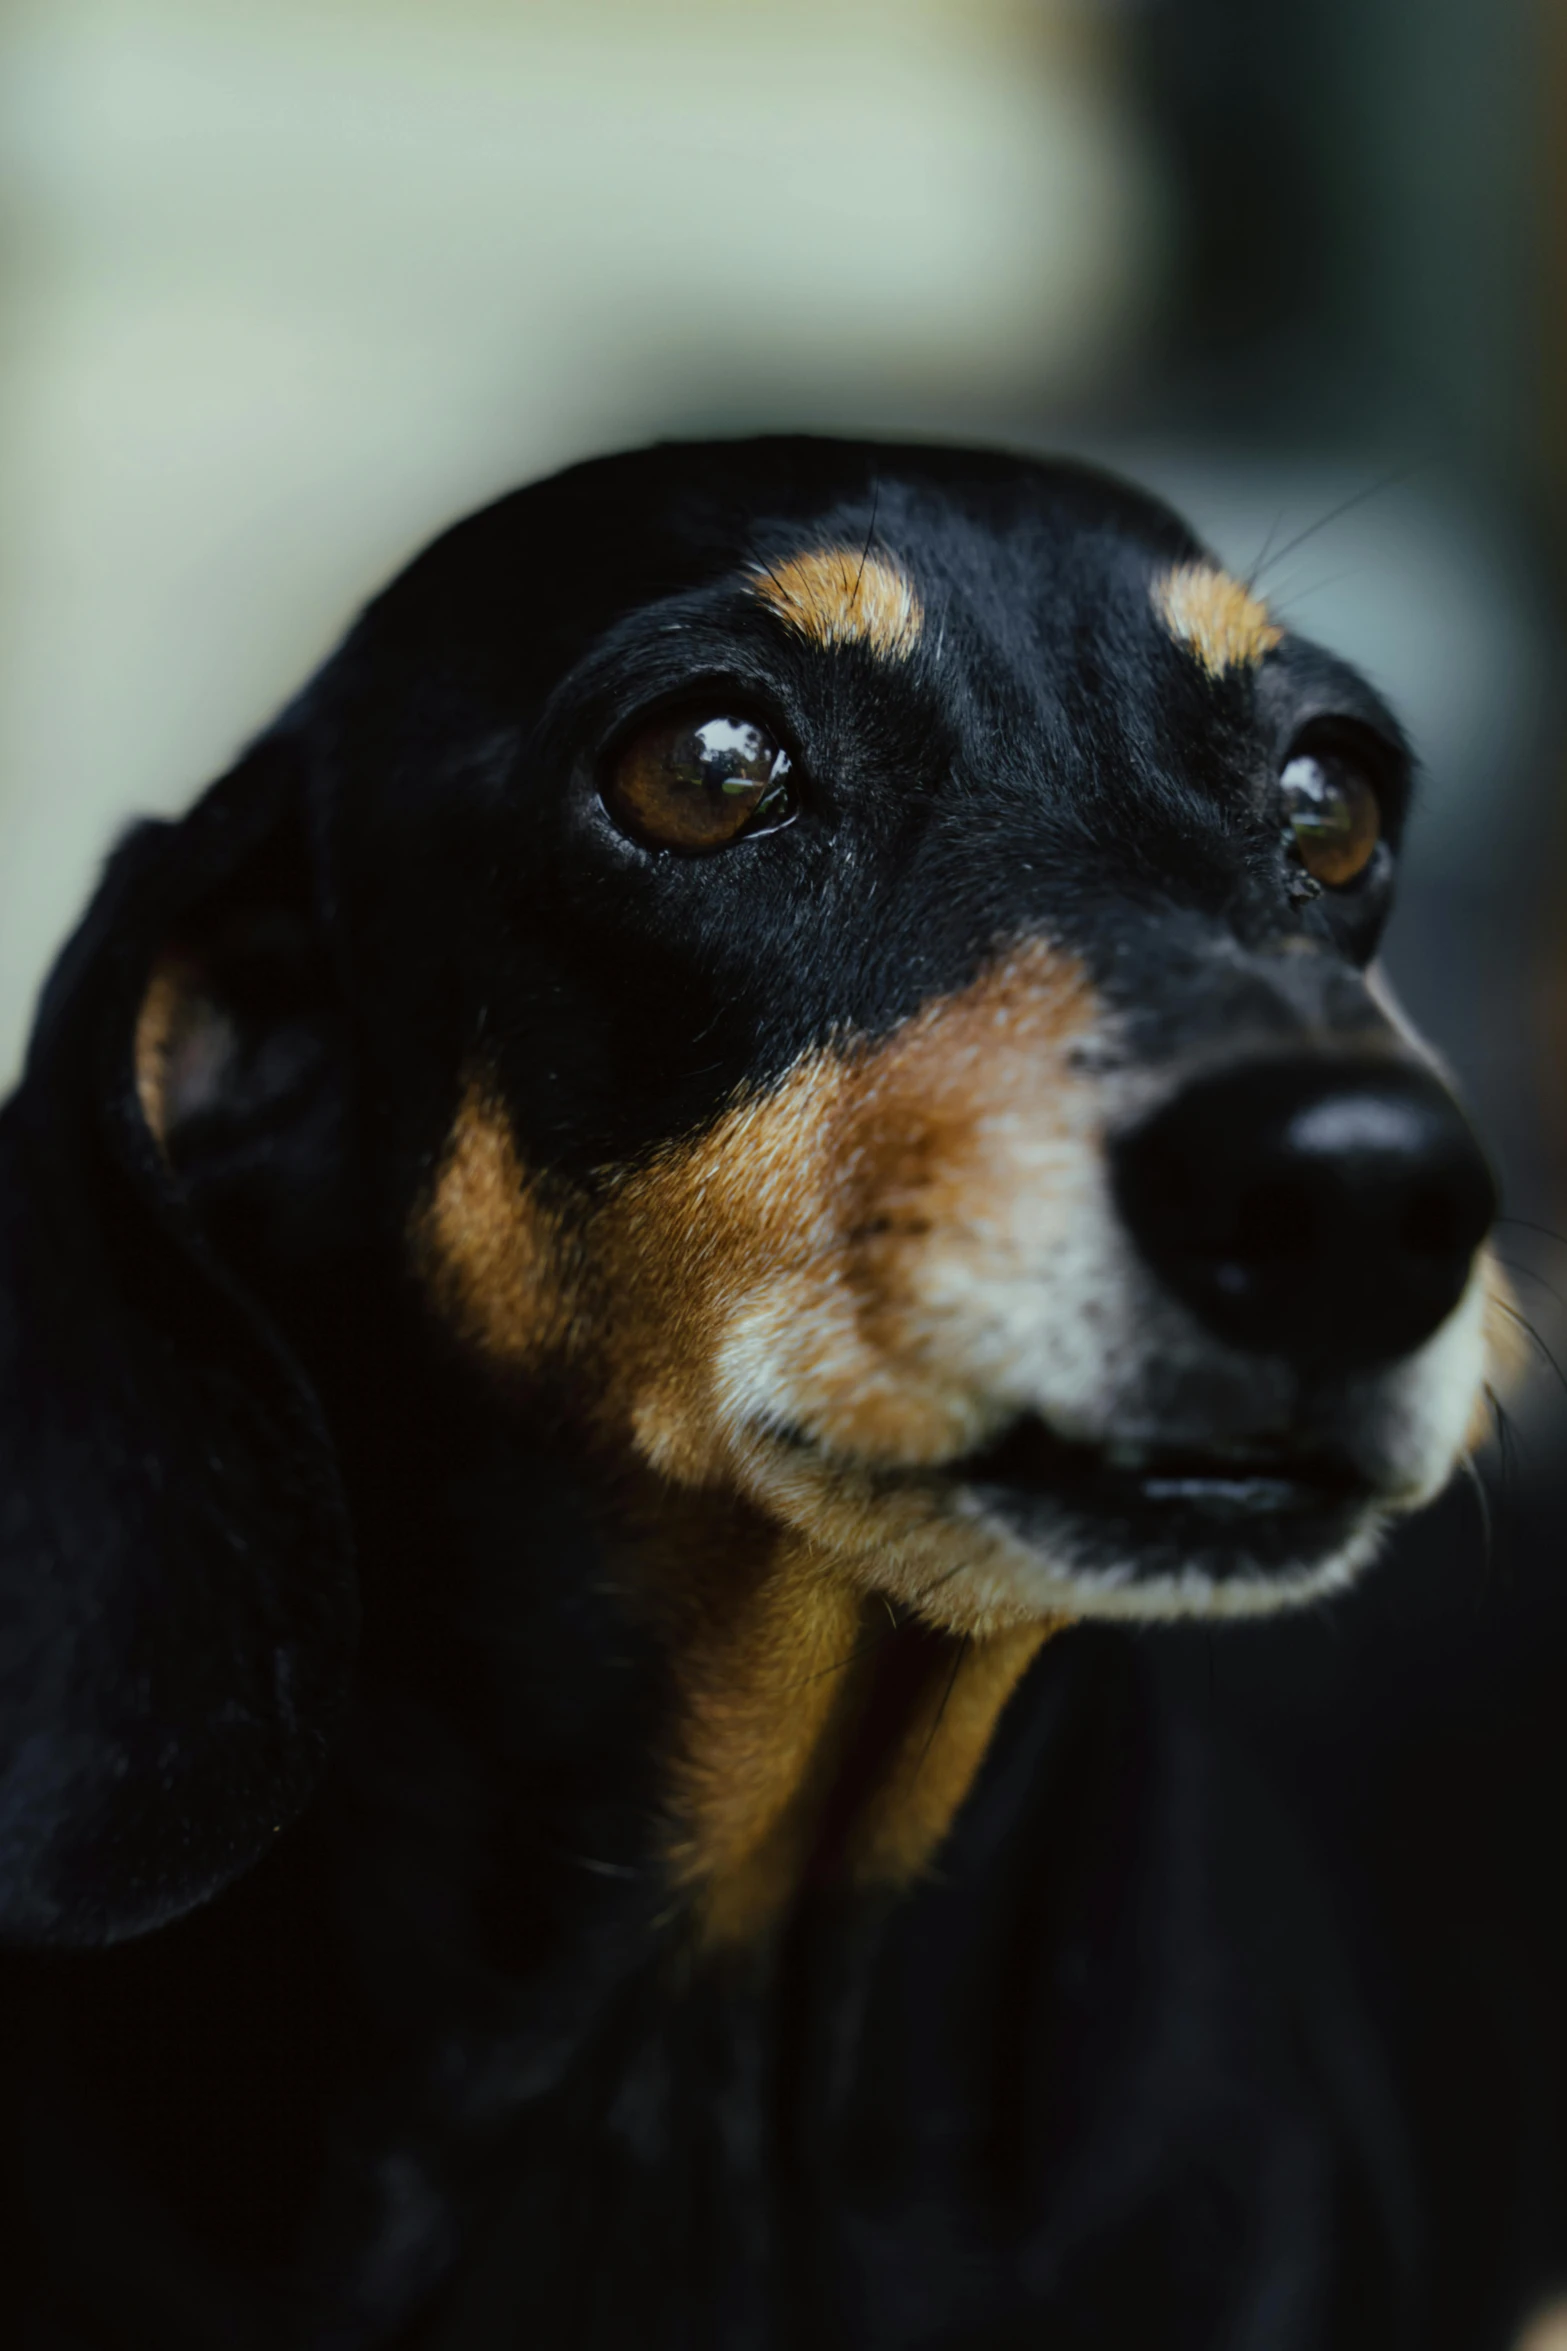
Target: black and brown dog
x=768, y=1091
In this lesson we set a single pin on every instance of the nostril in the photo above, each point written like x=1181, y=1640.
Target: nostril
x=1327, y=1213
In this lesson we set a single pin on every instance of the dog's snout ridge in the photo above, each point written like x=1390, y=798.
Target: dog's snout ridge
x=1320, y=1211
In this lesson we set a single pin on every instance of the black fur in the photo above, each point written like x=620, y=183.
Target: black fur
x=417, y=2053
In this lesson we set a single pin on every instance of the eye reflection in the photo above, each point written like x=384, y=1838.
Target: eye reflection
x=1333, y=815
x=698, y=784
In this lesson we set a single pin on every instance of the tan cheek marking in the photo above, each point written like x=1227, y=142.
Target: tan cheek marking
x=825, y=1192
x=679, y=1243
x=756, y=1628
x=934, y=1765
x=969, y=1105
x=1221, y=622
x=842, y=596
x=498, y=1257
x=825, y=1195
x=807, y=1217
x=947, y=1134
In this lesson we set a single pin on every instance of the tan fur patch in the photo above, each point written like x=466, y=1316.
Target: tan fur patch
x=844, y=596
x=797, y=1231
x=900, y=1829
x=1221, y=621
x=804, y=1221
x=805, y=1233
x=801, y=1258
x=179, y=1046
x=777, y=1651
x=770, y=1678
x=797, y=1234
x=499, y=1259
x=156, y=1022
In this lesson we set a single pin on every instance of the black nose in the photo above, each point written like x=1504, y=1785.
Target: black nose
x=1325, y=1213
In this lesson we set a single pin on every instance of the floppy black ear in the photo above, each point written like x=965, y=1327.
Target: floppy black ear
x=177, y=1607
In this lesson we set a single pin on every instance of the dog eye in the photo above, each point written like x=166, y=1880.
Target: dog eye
x=1333, y=815
x=696, y=785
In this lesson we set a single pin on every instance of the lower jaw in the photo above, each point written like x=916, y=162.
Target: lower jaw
x=1172, y=1518
x=1059, y=1530
x=1166, y=1515
x=1142, y=1545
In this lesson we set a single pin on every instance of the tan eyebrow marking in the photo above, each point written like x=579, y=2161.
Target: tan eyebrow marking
x=1221, y=621
x=841, y=596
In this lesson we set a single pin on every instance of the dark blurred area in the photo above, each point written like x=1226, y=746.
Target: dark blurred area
x=288, y=290
x=1371, y=264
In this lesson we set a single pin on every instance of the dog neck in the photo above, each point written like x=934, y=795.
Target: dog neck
x=816, y=1736
x=809, y=1733
x=761, y=1726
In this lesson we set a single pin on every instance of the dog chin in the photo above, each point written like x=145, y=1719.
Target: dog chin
x=1091, y=1570
x=1034, y=1527
x=1173, y=1530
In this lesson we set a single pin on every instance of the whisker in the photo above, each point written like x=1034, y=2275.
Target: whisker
x=1527, y=1327
x=1285, y=599
x=1527, y=1273
x=1483, y=1500
x=1374, y=489
x=930, y=1737
x=1507, y=1439
x=764, y=566
x=1274, y=529
x=1524, y=1226
x=878, y=1640
x=865, y=551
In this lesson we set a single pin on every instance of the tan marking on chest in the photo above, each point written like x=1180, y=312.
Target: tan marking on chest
x=844, y=596
x=934, y=1763
x=768, y=1676
x=784, y=1761
x=1215, y=617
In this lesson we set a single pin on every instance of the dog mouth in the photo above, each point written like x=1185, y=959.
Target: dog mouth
x=1237, y=1482
x=1226, y=1508
x=1118, y=1515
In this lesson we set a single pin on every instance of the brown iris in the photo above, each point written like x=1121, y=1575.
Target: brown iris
x=698, y=784
x=1333, y=816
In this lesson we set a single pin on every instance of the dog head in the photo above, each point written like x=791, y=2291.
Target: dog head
x=844, y=974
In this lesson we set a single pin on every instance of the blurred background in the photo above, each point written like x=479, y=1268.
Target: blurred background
x=285, y=287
